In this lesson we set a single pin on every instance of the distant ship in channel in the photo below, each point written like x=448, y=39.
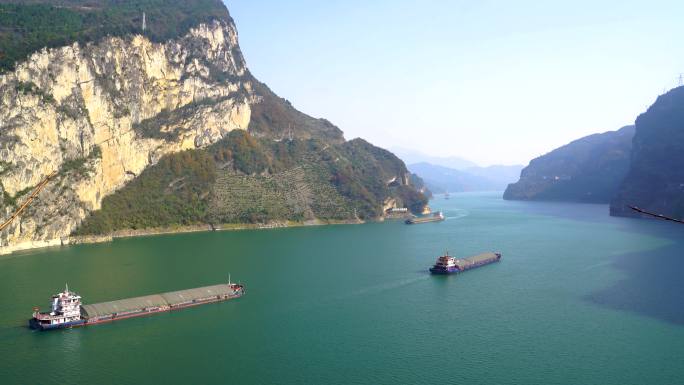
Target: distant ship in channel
x=447, y=264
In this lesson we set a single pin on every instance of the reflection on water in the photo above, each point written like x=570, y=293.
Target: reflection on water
x=653, y=285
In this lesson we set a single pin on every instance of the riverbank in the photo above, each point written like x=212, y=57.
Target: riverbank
x=129, y=233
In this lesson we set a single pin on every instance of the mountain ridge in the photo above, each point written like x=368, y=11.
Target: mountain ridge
x=410, y=156
x=440, y=179
x=589, y=169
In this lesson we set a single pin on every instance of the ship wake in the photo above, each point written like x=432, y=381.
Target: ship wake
x=458, y=215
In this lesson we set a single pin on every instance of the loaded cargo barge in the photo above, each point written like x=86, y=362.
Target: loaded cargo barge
x=447, y=264
x=67, y=310
x=436, y=217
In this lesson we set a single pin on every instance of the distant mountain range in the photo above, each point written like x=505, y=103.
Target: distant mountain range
x=440, y=179
x=637, y=166
x=412, y=157
x=589, y=169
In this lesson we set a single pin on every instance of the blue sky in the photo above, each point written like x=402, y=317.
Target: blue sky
x=496, y=82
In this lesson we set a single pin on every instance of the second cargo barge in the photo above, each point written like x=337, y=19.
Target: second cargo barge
x=436, y=217
x=67, y=310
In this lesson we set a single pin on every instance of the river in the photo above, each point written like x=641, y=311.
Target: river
x=578, y=298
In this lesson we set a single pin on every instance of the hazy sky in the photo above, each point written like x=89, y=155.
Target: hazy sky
x=496, y=82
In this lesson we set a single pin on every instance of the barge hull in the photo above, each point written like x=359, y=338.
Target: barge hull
x=68, y=312
x=34, y=324
x=145, y=313
x=479, y=261
x=418, y=221
x=437, y=217
x=469, y=263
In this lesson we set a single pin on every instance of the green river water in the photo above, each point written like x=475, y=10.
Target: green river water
x=579, y=298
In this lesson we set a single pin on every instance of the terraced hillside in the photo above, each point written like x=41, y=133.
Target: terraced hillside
x=242, y=179
x=298, y=194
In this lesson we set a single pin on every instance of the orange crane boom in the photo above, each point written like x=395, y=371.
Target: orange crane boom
x=30, y=199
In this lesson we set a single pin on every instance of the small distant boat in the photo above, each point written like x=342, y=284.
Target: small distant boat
x=447, y=264
x=447, y=196
x=435, y=217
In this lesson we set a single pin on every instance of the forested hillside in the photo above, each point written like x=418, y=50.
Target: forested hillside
x=242, y=179
x=29, y=25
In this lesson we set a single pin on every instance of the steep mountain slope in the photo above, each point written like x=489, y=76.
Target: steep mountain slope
x=655, y=181
x=275, y=117
x=587, y=170
x=98, y=112
x=419, y=184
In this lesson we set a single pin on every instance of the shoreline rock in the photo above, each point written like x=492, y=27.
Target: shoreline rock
x=94, y=239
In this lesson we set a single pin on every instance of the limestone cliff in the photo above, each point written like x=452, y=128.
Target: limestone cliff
x=99, y=113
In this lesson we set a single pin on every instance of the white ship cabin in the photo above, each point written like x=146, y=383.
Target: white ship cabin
x=446, y=261
x=65, y=307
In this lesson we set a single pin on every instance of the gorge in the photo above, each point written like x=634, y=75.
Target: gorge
x=637, y=166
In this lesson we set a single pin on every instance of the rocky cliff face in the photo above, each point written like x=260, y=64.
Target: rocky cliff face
x=128, y=133
x=655, y=181
x=587, y=170
x=98, y=114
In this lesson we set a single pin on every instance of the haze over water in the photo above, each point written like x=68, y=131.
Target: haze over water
x=579, y=298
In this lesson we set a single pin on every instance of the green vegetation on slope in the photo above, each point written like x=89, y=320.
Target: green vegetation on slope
x=171, y=193
x=587, y=170
x=242, y=179
x=277, y=118
x=419, y=184
x=27, y=26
